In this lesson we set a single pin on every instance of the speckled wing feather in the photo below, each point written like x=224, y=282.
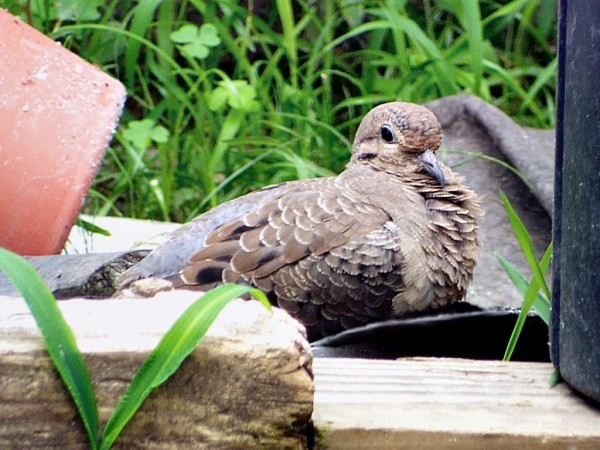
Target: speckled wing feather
x=173, y=255
x=319, y=253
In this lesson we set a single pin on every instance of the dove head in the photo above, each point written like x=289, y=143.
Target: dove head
x=400, y=138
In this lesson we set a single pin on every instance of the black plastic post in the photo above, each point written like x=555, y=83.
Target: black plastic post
x=575, y=326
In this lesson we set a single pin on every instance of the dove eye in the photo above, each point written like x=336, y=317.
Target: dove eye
x=387, y=134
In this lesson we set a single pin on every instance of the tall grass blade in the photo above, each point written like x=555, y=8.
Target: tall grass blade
x=507, y=166
x=505, y=13
x=230, y=178
x=555, y=378
x=541, y=304
x=509, y=80
x=520, y=48
x=58, y=337
x=530, y=295
x=173, y=348
x=526, y=244
x=541, y=81
x=471, y=21
x=528, y=302
x=546, y=17
x=91, y=227
x=538, y=281
x=286, y=15
x=142, y=18
x=441, y=68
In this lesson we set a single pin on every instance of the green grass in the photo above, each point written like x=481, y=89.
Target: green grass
x=224, y=100
x=529, y=289
x=177, y=343
x=540, y=303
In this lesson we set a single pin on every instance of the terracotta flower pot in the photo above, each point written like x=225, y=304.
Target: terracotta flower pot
x=57, y=115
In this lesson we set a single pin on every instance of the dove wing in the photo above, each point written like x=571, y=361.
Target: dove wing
x=281, y=232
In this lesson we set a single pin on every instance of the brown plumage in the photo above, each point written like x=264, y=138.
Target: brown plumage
x=395, y=232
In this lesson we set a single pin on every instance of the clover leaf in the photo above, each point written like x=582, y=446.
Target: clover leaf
x=142, y=132
x=195, y=42
x=236, y=93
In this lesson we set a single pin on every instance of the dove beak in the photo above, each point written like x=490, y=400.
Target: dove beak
x=431, y=165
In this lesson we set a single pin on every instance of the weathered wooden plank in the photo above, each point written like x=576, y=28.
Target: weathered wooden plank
x=248, y=383
x=448, y=403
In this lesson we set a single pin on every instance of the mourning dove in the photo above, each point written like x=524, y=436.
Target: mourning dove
x=396, y=232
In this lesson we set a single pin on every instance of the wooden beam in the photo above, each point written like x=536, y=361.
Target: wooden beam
x=247, y=384
x=447, y=403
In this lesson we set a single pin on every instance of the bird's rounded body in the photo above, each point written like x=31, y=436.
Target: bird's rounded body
x=396, y=232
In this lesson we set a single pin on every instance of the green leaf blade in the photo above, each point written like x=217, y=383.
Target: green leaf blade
x=532, y=291
x=525, y=243
x=140, y=24
x=174, y=347
x=471, y=19
x=538, y=281
x=541, y=305
x=58, y=338
x=91, y=227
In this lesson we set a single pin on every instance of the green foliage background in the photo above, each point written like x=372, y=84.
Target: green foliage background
x=226, y=97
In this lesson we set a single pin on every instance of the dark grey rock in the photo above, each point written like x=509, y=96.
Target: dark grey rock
x=91, y=275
